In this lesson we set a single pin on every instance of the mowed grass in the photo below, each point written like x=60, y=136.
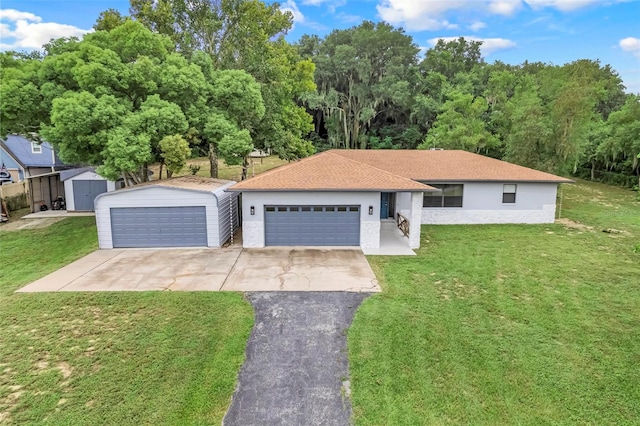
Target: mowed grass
x=258, y=165
x=488, y=325
x=110, y=358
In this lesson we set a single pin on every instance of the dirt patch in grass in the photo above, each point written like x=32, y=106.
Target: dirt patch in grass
x=120, y=358
x=22, y=224
x=568, y=223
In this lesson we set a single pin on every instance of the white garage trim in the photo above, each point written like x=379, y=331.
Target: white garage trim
x=221, y=208
x=253, y=225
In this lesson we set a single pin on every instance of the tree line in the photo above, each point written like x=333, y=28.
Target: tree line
x=376, y=91
x=218, y=78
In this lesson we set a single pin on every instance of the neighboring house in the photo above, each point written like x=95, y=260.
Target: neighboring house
x=37, y=164
x=24, y=158
x=82, y=186
x=188, y=211
x=340, y=197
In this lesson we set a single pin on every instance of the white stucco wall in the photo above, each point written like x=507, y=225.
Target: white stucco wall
x=253, y=225
x=482, y=204
x=415, y=217
x=403, y=204
x=155, y=196
x=88, y=175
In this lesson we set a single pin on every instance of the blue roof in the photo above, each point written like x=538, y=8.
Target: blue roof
x=68, y=174
x=20, y=149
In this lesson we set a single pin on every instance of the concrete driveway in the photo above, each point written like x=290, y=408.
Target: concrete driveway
x=228, y=269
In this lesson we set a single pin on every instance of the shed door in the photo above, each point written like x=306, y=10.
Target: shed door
x=159, y=227
x=312, y=225
x=86, y=191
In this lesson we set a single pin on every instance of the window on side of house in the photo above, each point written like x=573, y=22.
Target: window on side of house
x=36, y=148
x=448, y=195
x=509, y=193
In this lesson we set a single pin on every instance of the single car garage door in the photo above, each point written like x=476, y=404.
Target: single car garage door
x=159, y=227
x=312, y=225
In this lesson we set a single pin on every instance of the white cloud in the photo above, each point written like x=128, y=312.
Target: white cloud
x=504, y=7
x=477, y=26
x=430, y=15
x=489, y=45
x=291, y=6
x=332, y=5
x=16, y=15
x=631, y=45
x=562, y=5
x=27, y=31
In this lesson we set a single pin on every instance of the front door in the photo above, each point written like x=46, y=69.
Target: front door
x=384, y=205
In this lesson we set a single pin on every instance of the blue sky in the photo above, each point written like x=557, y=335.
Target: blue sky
x=553, y=31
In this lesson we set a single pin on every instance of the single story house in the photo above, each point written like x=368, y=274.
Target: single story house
x=188, y=211
x=340, y=197
x=82, y=186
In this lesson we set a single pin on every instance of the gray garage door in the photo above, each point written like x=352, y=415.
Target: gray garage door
x=159, y=227
x=85, y=191
x=312, y=225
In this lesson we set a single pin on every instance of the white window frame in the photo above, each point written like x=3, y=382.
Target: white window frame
x=514, y=192
x=36, y=148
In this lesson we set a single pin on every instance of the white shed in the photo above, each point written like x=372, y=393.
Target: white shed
x=188, y=211
x=82, y=186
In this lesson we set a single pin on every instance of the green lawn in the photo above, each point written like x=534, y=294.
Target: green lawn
x=259, y=165
x=110, y=358
x=534, y=324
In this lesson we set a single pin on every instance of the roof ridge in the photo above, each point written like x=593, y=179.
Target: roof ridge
x=372, y=167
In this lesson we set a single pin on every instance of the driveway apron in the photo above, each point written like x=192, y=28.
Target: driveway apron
x=296, y=369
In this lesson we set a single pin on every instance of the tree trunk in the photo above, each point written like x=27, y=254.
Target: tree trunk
x=213, y=161
x=593, y=171
x=160, y=172
x=145, y=172
x=245, y=167
x=169, y=174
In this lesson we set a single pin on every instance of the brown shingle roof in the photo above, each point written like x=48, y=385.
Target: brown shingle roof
x=448, y=166
x=389, y=170
x=329, y=171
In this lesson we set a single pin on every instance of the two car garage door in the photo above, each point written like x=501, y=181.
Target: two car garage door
x=312, y=225
x=159, y=227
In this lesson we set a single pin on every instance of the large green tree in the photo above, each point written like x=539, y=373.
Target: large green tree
x=112, y=98
x=246, y=35
x=461, y=125
x=363, y=75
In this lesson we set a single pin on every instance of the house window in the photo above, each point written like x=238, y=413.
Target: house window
x=509, y=193
x=36, y=148
x=449, y=195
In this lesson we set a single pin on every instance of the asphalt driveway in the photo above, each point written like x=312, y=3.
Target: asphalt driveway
x=227, y=269
x=296, y=370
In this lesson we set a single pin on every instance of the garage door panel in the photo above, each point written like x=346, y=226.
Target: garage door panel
x=159, y=227
x=86, y=191
x=312, y=225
